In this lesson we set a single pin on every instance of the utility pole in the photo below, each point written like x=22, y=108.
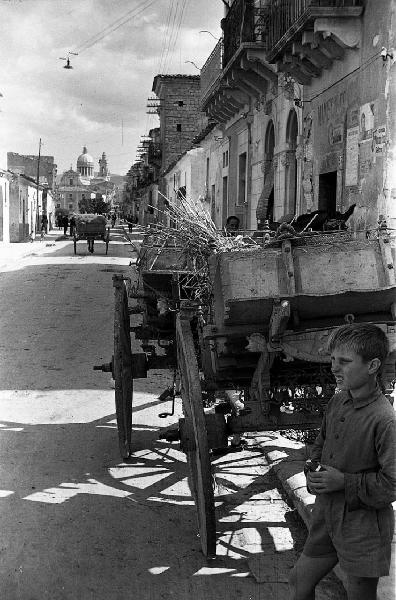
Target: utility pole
x=37, y=189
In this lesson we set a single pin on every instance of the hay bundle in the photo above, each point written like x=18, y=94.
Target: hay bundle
x=193, y=231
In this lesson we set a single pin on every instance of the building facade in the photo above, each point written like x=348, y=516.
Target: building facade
x=304, y=93
x=80, y=185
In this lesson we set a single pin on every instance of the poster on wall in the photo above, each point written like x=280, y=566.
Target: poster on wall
x=352, y=156
x=379, y=138
x=366, y=158
x=367, y=120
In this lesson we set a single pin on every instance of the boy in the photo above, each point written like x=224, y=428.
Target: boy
x=352, y=519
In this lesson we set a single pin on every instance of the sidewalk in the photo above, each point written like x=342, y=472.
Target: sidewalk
x=287, y=459
x=12, y=251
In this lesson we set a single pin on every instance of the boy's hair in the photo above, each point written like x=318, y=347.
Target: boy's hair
x=367, y=340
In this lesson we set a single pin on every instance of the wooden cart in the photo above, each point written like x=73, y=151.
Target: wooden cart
x=91, y=227
x=263, y=333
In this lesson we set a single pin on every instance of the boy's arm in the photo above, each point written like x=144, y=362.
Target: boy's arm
x=317, y=447
x=375, y=489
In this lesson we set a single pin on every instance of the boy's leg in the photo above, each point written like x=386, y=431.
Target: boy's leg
x=362, y=587
x=306, y=574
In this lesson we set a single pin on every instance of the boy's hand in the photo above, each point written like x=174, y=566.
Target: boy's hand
x=323, y=482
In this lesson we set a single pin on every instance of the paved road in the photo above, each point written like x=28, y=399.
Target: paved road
x=76, y=522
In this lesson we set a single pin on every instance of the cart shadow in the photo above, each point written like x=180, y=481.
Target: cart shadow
x=79, y=501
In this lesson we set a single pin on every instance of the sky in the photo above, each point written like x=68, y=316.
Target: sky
x=102, y=102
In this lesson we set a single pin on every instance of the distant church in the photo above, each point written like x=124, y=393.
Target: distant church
x=83, y=183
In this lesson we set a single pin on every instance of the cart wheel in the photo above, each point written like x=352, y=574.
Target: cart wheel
x=122, y=366
x=198, y=459
x=75, y=244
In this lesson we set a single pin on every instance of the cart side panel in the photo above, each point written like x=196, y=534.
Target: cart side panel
x=318, y=280
x=337, y=269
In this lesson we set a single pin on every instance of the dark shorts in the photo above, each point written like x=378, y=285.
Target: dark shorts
x=360, y=540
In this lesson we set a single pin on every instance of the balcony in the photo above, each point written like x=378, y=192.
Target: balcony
x=237, y=70
x=211, y=71
x=262, y=38
x=303, y=37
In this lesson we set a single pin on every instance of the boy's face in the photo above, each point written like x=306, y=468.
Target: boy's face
x=351, y=372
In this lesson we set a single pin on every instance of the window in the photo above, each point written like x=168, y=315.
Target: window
x=242, y=178
x=180, y=103
x=70, y=181
x=71, y=206
x=178, y=127
x=58, y=205
x=70, y=196
x=225, y=159
x=207, y=175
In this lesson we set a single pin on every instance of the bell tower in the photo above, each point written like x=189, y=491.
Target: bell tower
x=103, y=168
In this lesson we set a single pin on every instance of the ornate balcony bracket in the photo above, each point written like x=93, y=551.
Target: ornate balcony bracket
x=260, y=64
x=346, y=32
x=294, y=71
x=231, y=101
x=246, y=76
x=314, y=55
x=240, y=81
x=236, y=96
x=304, y=65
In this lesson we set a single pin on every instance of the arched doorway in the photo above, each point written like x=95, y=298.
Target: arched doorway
x=265, y=205
x=291, y=164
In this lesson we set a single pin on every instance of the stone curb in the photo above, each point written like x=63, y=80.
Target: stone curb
x=288, y=468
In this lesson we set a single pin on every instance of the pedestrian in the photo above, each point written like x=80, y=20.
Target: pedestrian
x=65, y=223
x=44, y=223
x=113, y=220
x=352, y=472
x=72, y=224
x=130, y=223
x=59, y=220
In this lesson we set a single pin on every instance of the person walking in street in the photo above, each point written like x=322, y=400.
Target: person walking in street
x=113, y=220
x=72, y=224
x=65, y=223
x=352, y=472
x=130, y=223
x=44, y=223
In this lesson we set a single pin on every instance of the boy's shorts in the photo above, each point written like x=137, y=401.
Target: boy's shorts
x=359, y=539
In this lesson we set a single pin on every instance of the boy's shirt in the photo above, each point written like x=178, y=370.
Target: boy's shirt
x=358, y=437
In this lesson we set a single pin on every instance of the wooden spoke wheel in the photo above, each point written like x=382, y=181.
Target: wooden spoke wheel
x=122, y=366
x=198, y=458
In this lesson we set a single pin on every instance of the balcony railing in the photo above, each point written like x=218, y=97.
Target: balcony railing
x=238, y=27
x=212, y=69
x=266, y=22
x=280, y=15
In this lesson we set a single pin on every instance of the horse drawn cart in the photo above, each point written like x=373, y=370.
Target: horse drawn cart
x=246, y=333
x=91, y=227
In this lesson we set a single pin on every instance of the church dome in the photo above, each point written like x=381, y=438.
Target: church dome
x=85, y=159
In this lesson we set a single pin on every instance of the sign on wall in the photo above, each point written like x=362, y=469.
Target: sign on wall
x=352, y=156
x=367, y=112
x=379, y=138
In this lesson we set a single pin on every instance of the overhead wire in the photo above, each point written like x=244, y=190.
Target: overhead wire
x=94, y=39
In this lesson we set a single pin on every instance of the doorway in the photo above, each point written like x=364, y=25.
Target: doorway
x=328, y=193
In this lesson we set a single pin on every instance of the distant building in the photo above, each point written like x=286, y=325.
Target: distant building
x=22, y=205
x=26, y=164
x=83, y=184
